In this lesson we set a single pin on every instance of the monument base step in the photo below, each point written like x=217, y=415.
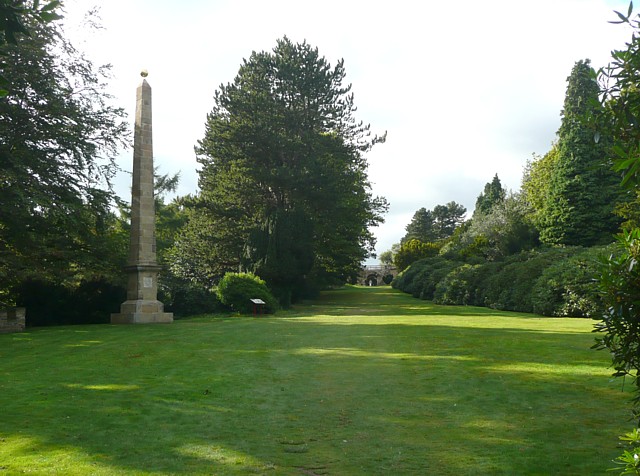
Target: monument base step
x=141, y=312
x=142, y=318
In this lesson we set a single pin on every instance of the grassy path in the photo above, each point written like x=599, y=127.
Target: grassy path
x=366, y=381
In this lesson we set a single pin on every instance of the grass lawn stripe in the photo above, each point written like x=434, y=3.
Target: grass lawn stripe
x=362, y=381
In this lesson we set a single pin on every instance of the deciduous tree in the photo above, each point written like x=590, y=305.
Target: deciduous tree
x=536, y=187
x=386, y=258
x=414, y=250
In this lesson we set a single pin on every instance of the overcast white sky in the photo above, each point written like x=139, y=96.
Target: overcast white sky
x=465, y=89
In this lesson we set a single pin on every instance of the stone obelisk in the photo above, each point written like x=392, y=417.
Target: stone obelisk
x=142, y=305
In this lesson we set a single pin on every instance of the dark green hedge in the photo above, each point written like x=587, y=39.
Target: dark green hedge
x=551, y=282
x=51, y=304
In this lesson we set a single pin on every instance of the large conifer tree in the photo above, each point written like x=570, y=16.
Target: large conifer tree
x=284, y=177
x=583, y=191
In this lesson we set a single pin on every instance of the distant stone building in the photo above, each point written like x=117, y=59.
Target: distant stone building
x=373, y=275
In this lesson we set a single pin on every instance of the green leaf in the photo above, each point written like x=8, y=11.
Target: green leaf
x=623, y=18
x=49, y=17
x=619, y=151
x=50, y=6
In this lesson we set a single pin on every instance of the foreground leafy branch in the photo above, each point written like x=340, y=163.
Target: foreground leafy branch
x=15, y=15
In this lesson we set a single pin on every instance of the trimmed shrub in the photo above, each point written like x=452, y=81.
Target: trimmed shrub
x=405, y=280
x=420, y=279
x=46, y=303
x=568, y=287
x=95, y=300
x=458, y=287
x=548, y=281
x=510, y=288
x=433, y=274
x=387, y=278
x=235, y=290
x=480, y=281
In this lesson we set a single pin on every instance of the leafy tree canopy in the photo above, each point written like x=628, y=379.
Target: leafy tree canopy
x=536, y=186
x=619, y=84
x=58, y=138
x=435, y=225
x=284, y=177
x=618, y=281
x=386, y=258
x=414, y=250
x=15, y=16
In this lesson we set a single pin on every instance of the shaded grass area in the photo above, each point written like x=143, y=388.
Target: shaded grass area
x=362, y=381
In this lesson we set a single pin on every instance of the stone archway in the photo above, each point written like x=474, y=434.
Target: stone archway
x=371, y=280
x=377, y=272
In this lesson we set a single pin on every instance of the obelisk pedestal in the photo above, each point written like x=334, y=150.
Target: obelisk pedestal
x=142, y=305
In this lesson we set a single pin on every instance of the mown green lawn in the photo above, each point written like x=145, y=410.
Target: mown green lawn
x=366, y=381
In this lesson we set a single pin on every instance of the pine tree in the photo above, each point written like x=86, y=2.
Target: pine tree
x=434, y=225
x=421, y=227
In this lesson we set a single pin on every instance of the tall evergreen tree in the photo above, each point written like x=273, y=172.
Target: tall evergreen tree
x=17, y=18
x=421, y=227
x=447, y=218
x=284, y=177
x=58, y=138
x=492, y=195
x=583, y=191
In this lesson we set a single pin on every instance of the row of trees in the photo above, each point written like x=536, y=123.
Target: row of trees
x=284, y=191
x=571, y=196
